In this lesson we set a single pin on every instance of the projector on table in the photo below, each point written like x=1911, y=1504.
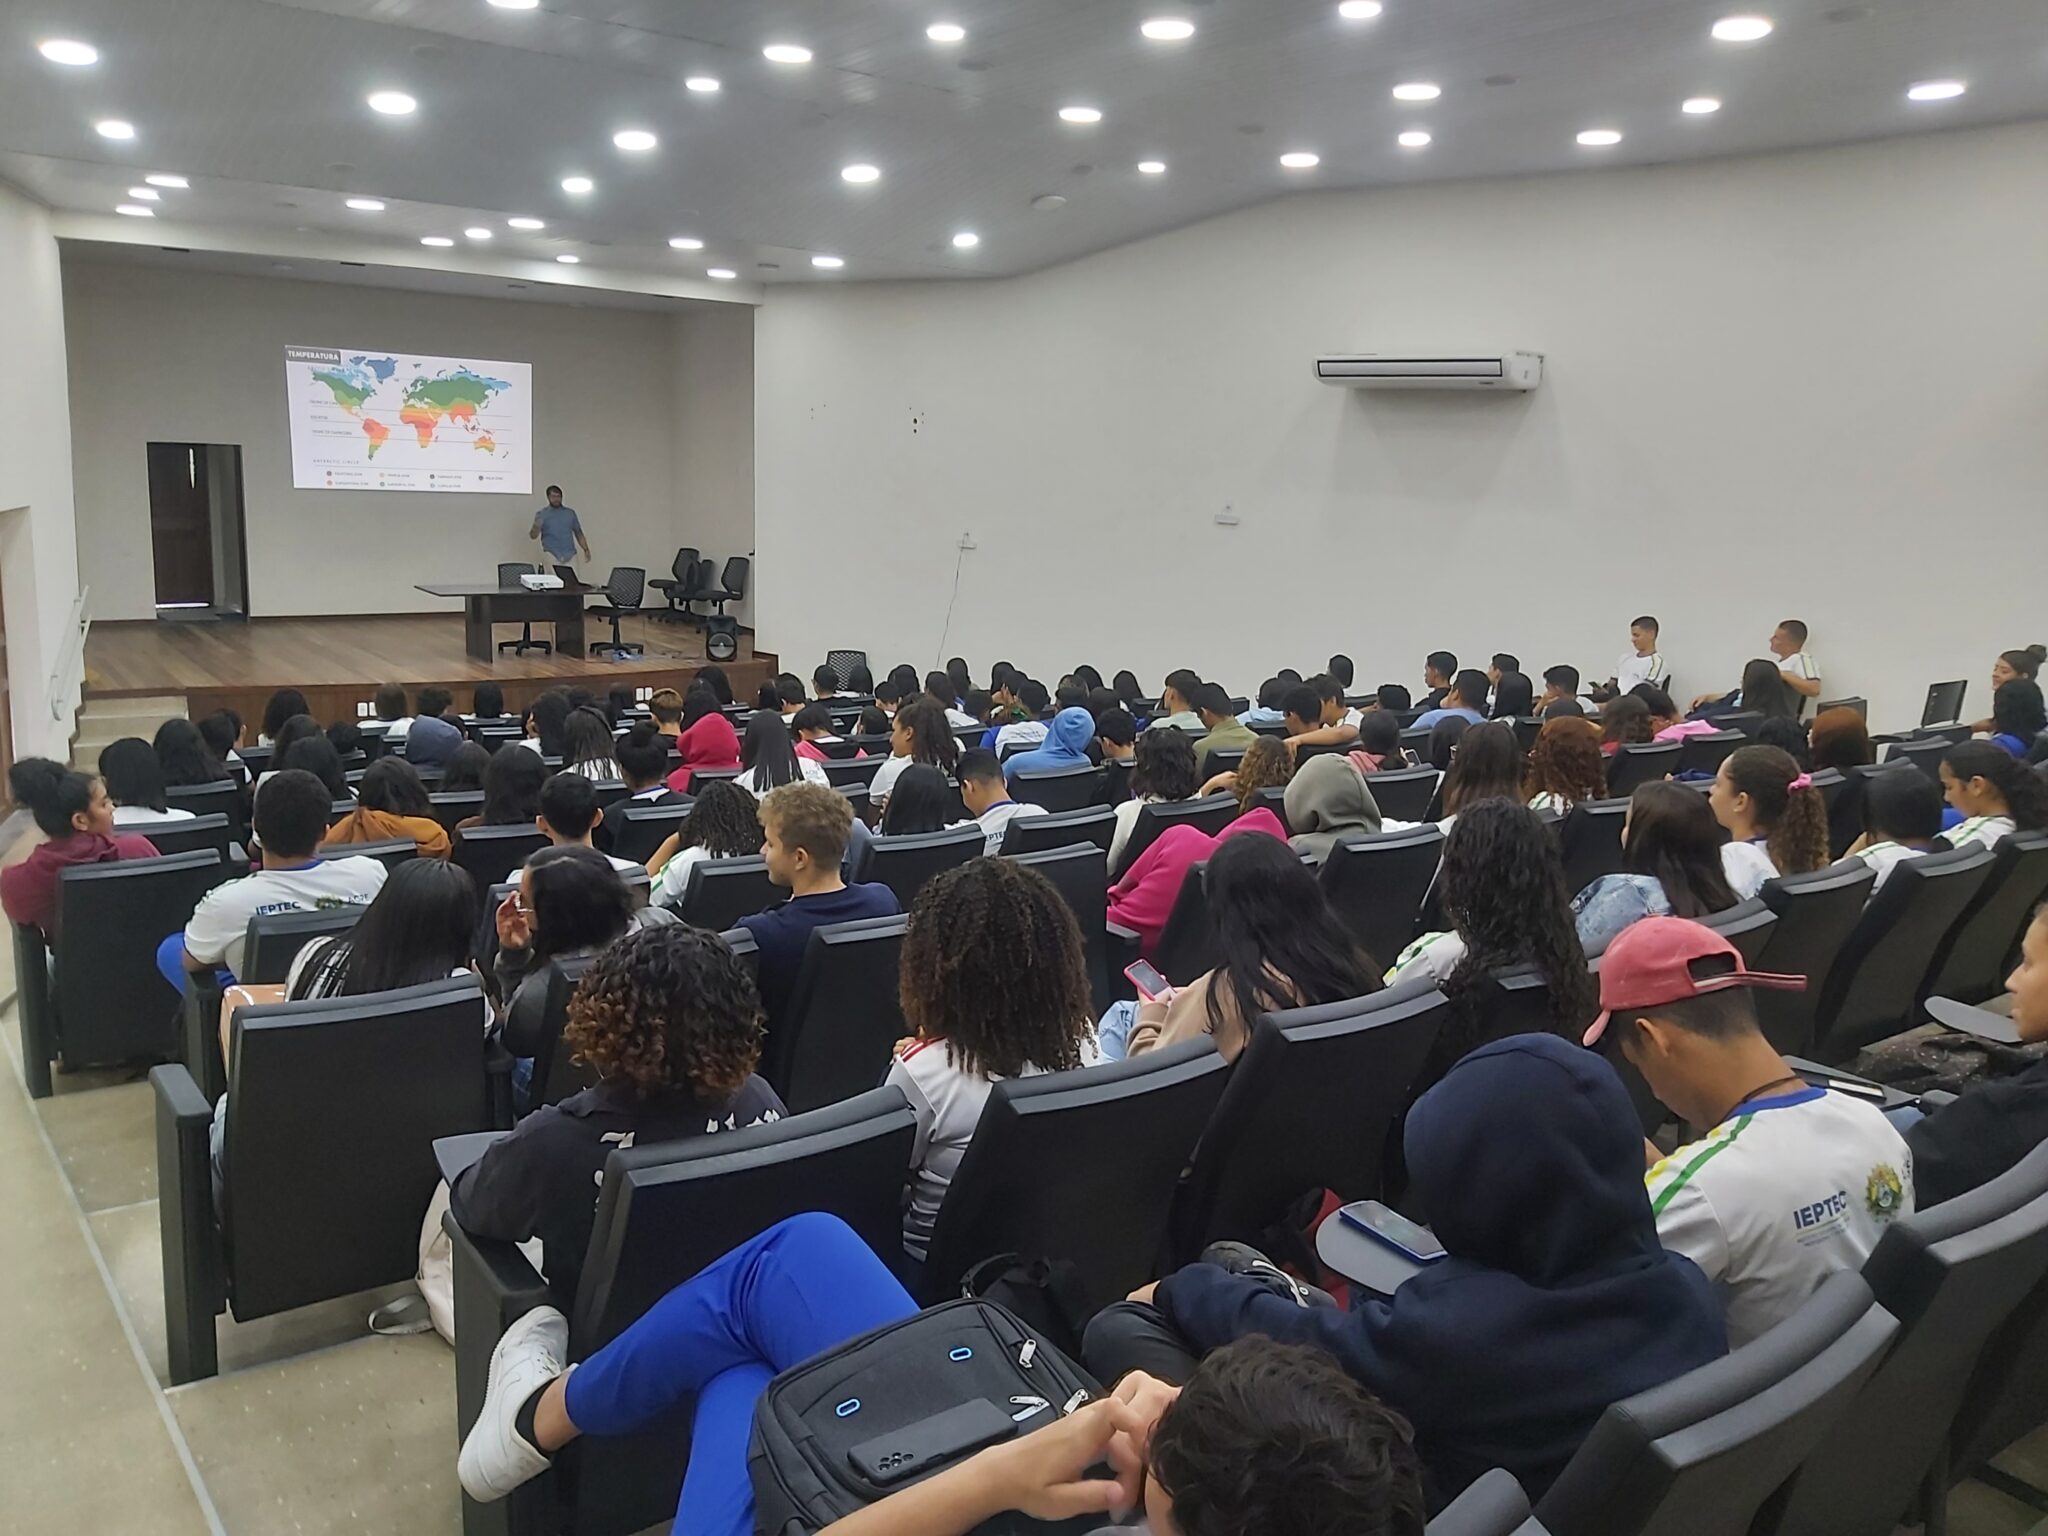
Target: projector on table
x=541, y=581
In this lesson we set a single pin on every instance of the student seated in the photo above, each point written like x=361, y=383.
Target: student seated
x=1776, y=821
x=429, y=743
x=1791, y=1182
x=1487, y=765
x=512, y=785
x=771, y=760
x=1391, y=696
x=804, y=832
x=1379, y=747
x=1671, y=866
x=1116, y=734
x=1265, y=709
x=1500, y=666
x=824, y=683
x=393, y=713
x=1639, y=664
x=724, y=823
x=1514, y=697
x=1624, y=722
x=1554, y=1300
x=547, y=721
x=135, y=783
x=669, y=1020
x=1840, y=739
x=312, y=754
x=1437, y=671
x=919, y=735
x=1143, y=897
x=1565, y=765
x=392, y=803
x=1265, y=765
x=1329, y=722
x=987, y=797
x=707, y=740
x=1340, y=670
x=1163, y=770
x=1560, y=693
x=569, y=815
x=1465, y=699
x=922, y=801
x=1225, y=732
x=1667, y=722
x=1327, y=800
x=465, y=769
x=185, y=756
x=938, y=687
x=1763, y=692
x=487, y=705
x=714, y=678
x=285, y=704
x=76, y=818
x=1177, y=704
x=587, y=746
x=1282, y=947
x=1301, y=713
x=665, y=708
x=642, y=756
x=810, y=728
x=2023, y=663
x=290, y=819
x=967, y=926
x=1065, y=746
x=1901, y=821
x=1992, y=793
x=2017, y=717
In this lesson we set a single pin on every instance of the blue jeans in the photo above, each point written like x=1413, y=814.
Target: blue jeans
x=802, y=1287
x=1113, y=1034
x=170, y=964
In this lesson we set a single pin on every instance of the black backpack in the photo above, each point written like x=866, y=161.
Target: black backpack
x=928, y=1381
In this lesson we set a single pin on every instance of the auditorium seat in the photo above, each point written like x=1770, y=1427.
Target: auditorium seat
x=1061, y=789
x=1376, y=885
x=834, y=1039
x=1095, y=824
x=490, y=854
x=905, y=862
x=1080, y=873
x=1979, y=952
x=1926, y=755
x=1404, y=794
x=223, y=798
x=1589, y=842
x=843, y=773
x=272, y=943
x=390, y=852
x=1817, y=912
x=1639, y=763
x=1705, y=752
x=1494, y=1505
x=213, y=830
x=638, y=831
x=1211, y=815
x=719, y=892
x=454, y=806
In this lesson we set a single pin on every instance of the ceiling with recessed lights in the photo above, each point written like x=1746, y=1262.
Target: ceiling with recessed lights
x=923, y=138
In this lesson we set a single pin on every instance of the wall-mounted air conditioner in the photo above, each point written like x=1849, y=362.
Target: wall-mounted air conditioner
x=1437, y=370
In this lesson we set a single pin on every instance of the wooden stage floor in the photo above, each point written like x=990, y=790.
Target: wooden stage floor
x=338, y=662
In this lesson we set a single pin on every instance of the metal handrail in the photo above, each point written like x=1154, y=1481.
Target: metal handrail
x=71, y=658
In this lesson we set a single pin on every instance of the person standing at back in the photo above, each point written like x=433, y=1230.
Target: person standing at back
x=559, y=530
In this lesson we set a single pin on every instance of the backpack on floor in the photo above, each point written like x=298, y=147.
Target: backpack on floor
x=848, y=1428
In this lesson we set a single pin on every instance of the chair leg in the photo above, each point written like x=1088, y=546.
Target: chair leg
x=191, y=1255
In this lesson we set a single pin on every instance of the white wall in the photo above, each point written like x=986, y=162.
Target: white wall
x=1812, y=384
x=714, y=437
x=38, y=557
x=199, y=357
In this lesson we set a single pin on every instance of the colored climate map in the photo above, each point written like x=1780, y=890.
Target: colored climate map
x=397, y=422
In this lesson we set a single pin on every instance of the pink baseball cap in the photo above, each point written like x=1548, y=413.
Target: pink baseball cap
x=1651, y=963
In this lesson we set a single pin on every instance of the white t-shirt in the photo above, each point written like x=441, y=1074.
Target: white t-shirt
x=133, y=815
x=885, y=778
x=1747, y=867
x=813, y=772
x=1886, y=857
x=1979, y=829
x=626, y=866
x=394, y=731
x=959, y=719
x=1632, y=671
x=1779, y=1196
x=1020, y=734
x=1126, y=824
x=948, y=1103
x=674, y=878
x=997, y=818
x=1800, y=665
x=1434, y=955
x=220, y=924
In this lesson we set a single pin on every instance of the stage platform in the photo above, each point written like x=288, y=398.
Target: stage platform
x=338, y=662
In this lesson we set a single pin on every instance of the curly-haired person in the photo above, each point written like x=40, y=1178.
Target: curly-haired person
x=987, y=918
x=670, y=1022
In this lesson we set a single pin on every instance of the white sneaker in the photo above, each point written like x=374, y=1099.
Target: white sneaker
x=495, y=1458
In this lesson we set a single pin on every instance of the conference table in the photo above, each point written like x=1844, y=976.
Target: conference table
x=485, y=603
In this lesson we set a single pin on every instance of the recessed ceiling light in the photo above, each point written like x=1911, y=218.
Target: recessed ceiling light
x=686, y=243
x=1414, y=138
x=166, y=179
x=146, y=194
x=576, y=186
x=517, y=5
x=567, y=259
x=723, y=274
x=1417, y=90
x=1742, y=29
x=1167, y=29
x=635, y=141
x=703, y=85
x=786, y=53
x=1699, y=106
x=526, y=223
x=68, y=50
x=436, y=240
x=476, y=232
x=1935, y=90
x=1300, y=160
x=136, y=211
x=1599, y=138
x=114, y=128
x=1152, y=167
x=364, y=204
x=946, y=32
x=966, y=240
x=829, y=263
x=860, y=175
x=392, y=103
x=1080, y=115
x=1358, y=10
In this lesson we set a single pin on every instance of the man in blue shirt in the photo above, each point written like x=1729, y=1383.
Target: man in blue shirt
x=559, y=529
x=1464, y=700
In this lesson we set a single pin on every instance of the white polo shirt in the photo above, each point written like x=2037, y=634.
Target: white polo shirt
x=219, y=929
x=1632, y=671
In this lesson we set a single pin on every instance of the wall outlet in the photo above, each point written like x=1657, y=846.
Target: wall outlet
x=967, y=541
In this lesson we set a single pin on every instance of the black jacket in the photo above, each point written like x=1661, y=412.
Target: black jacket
x=1983, y=1134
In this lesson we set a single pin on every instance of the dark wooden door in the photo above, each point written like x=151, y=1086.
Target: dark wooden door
x=181, y=525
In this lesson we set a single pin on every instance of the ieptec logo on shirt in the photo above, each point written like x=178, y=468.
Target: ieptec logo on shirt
x=1822, y=1212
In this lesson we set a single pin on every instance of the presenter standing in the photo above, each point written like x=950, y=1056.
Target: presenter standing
x=559, y=529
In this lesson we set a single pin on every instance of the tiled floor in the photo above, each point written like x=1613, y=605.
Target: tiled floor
x=315, y=1425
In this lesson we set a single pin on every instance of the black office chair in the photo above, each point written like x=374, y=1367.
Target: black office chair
x=732, y=583
x=623, y=590
x=1210, y=814
x=1705, y=752
x=1078, y=1169
x=1977, y=955
x=1639, y=763
x=905, y=862
x=1493, y=1506
x=1307, y=1107
x=1095, y=824
x=508, y=576
x=1376, y=886
x=638, y=830
x=1405, y=793
x=1080, y=873
x=1816, y=914
x=719, y=892
x=666, y=1211
x=835, y=1038
x=1590, y=842
x=673, y=586
x=312, y=1209
x=1061, y=789
x=490, y=854
x=1700, y=1455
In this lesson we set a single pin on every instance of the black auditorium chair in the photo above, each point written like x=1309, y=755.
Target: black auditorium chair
x=455, y=806
x=639, y=830
x=1878, y=980
x=1950, y=1275
x=272, y=943
x=1977, y=956
x=1188, y=946
x=1700, y=1455
x=1639, y=763
x=509, y=573
x=1845, y=810
x=665, y=1212
x=1517, y=1002
x=1527, y=728
x=1211, y=814
x=719, y=892
x=2007, y=1398
x=904, y=863
x=1061, y=789
x=677, y=582
x=312, y=1208
x=1589, y=841
x=1860, y=705
x=1705, y=752
x=1403, y=794
x=556, y=1074
x=390, y=852
x=1377, y=884
x=1494, y=1505
x=222, y=798
x=851, y=772
x=1307, y=1108
x=732, y=583
x=622, y=591
x=1078, y=1169
x=1060, y=829
x=1925, y=755
x=213, y=830
x=1218, y=760
x=699, y=777
x=492, y=853
x=1748, y=925
x=1080, y=873
x=1816, y=914
x=834, y=1039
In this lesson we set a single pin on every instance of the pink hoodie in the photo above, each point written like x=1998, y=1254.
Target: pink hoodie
x=1143, y=899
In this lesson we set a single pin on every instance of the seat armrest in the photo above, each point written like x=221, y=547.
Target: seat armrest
x=199, y=1028
x=33, y=1005
x=191, y=1242
x=1122, y=946
x=1936, y=1098
x=494, y=1287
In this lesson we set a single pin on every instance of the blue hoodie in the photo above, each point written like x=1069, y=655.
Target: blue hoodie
x=1556, y=1298
x=1065, y=746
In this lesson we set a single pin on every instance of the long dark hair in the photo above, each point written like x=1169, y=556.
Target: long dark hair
x=961, y=677
x=133, y=775
x=579, y=901
x=1764, y=690
x=392, y=785
x=587, y=742
x=284, y=704
x=1513, y=696
x=714, y=678
x=182, y=754
x=316, y=755
x=1280, y=944
x=725, y=821
x=512, y=786
x=298, y=728
x=1795, y=821
x=2026, y=796
x=919, y=801
x=1125, y=686
x=931, y=738
x=1672, y=835
x=767, y=750
x=418, y=929
x=549, y=713
x=1486, y=766
x=466, y=767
